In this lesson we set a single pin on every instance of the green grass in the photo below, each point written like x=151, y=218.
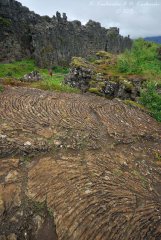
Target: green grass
x=141, y=59
x=54, y=83
x=1, y=88
x=18, y=69
x=151, y=99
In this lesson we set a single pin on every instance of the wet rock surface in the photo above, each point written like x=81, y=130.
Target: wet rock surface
x=98, y=176
x=52, y=41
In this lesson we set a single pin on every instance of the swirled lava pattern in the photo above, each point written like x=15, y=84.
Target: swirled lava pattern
x=94, y=164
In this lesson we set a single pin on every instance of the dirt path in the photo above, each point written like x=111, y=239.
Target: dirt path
x=77, y=167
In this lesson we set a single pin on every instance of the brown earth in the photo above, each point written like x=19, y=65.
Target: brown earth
x=77, y=167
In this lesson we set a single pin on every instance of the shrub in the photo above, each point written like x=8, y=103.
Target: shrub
x=128, y=63
x=151, y=99
x=141, y=59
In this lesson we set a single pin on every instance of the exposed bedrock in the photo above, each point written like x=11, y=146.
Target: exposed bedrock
x=88, y=77
x=52, y=40
x=77, y=167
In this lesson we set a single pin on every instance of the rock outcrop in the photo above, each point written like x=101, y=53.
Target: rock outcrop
x=52, y=41
x=33, y=76
x=95, y=78
x=77, y=167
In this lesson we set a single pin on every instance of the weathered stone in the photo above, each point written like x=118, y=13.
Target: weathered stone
x=112, y=193
x=12, y=236
x=2, y=207
x=11, y=177
x=38, y=221
x=11, y=196
x=52, y=41
x=27, y=143
x=3, y=237
x=84, y=75
x=34, y=76
x=80, y=74
x=57, y=143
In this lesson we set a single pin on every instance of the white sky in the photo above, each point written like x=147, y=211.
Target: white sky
x=138, y=18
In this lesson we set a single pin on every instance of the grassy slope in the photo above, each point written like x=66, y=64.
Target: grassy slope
x=143, y=60
x=20, y=68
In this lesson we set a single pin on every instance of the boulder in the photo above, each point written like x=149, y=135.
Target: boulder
x=33, y=76
x=80, y=74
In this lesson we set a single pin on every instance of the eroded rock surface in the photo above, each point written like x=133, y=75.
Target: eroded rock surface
x=77, y=167
x=95, y=78
x=52, y=41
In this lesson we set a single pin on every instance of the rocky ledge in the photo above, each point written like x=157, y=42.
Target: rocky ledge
x=96, y=78
x=52, y=41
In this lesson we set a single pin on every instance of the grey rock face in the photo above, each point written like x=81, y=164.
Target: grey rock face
x=79, y=78
x=84, y=76
x=52, y=41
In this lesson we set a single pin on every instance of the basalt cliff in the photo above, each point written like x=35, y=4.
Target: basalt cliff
x=52, y=40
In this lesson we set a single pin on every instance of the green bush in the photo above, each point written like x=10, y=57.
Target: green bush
x=141, y=59
x=151, y=99
x=128, y=64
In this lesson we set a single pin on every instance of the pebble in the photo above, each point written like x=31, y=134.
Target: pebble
x=27, y=143
x=12, y=176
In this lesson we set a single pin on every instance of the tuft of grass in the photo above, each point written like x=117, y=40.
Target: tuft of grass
x=157, y=156
x=1, y=88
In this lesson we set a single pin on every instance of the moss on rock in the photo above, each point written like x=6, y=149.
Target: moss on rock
x=96, y=91
x=103, y=54
x=134, y=104
x=79, y=62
